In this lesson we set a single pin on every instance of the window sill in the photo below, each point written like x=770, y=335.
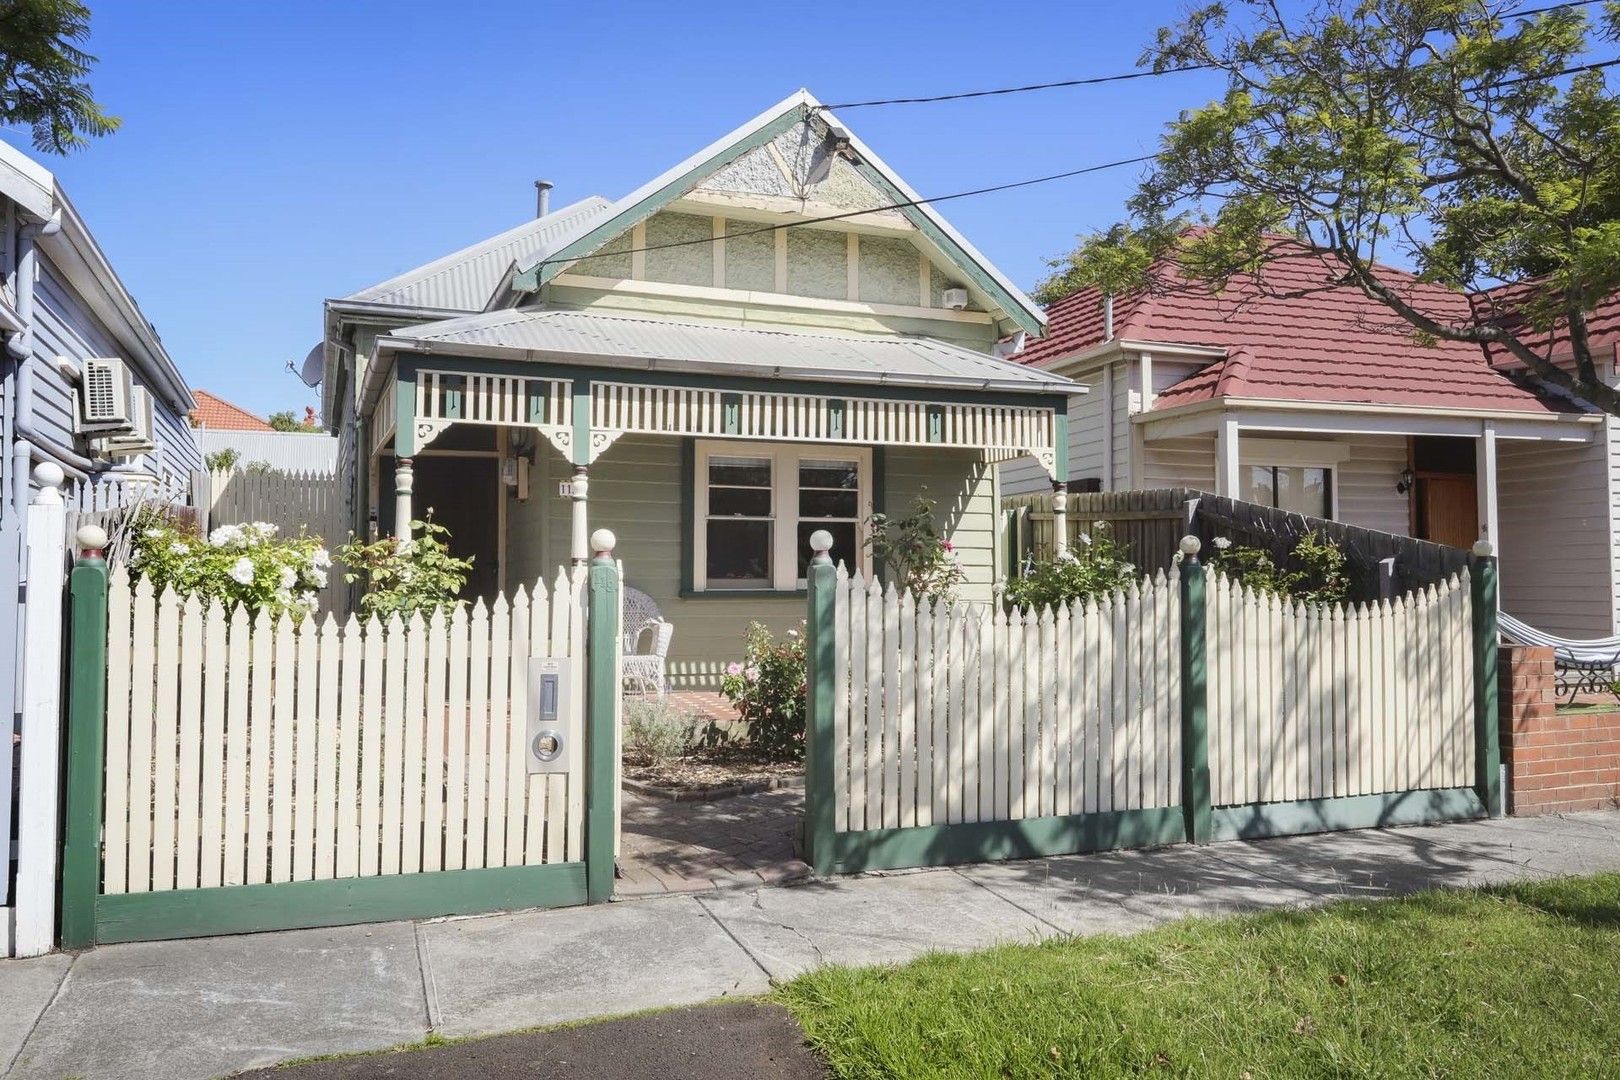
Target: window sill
x=742, y=594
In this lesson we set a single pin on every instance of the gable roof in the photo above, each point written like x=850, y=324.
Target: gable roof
x=1292, y=334
x=534, y=271
x=463, y=280
x=215, y=413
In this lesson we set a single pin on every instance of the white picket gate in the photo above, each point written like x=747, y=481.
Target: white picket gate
x=1331, y=701
x=245, y=750
x=957, y=713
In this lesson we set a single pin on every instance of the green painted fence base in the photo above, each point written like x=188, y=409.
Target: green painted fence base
x=990, y=841
x=295, y=905
x=1263, y=820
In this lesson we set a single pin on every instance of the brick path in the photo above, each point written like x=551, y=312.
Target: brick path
x=683, y=847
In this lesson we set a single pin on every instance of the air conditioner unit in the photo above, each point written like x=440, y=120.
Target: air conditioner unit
x=139, y=440
x=104, y=397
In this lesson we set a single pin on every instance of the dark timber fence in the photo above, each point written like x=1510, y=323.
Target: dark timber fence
x=1152, y=522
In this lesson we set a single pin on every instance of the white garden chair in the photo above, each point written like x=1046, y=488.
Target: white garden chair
x=646, y=643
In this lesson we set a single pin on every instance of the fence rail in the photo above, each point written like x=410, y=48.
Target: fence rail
x=245, y=751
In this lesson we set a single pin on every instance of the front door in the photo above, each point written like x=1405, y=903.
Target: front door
x=1448, y=510
x=465, y=496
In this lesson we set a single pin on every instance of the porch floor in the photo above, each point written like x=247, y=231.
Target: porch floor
x=685, y=847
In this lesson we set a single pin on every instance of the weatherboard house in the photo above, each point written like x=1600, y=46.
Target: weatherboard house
x=1293, y=390
x=770, y=338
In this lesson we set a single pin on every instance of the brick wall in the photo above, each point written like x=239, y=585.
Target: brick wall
x=1556, y=761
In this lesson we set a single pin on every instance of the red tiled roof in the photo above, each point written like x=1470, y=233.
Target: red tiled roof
x=215, y=412
x=1291, y=334
x=1602, y=324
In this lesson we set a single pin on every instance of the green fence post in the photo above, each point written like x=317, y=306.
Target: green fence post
x=1195, y=798
x=1487, y=739
x=86, y=740
x=601, y=708
x=820, y=688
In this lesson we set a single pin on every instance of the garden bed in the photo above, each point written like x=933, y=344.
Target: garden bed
x=710, y=773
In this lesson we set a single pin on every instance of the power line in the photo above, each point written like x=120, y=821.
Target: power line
x=861, y=213
x=1092, y=81
x=1097, y=80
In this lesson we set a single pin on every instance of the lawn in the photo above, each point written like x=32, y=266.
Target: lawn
x=1521, y=981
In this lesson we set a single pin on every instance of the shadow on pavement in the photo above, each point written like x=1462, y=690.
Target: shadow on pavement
x=705, y=1042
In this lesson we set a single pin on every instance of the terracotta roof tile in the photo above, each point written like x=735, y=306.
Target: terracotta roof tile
x=1294, y=335
x=215, y=413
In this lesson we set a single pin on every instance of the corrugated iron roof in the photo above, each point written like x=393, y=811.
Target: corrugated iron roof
x=464, y=280
x=286, y=451
x=584, y=337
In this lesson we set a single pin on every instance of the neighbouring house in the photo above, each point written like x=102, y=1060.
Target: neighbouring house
x=1295, y=392
x=225, y=426
x=767, y=339
x=85, y=384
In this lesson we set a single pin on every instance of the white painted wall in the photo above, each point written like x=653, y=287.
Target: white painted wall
x=1555, y=508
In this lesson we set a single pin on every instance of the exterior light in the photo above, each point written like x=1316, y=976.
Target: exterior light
x=1404, y=484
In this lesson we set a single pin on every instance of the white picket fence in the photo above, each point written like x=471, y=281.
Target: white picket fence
x=960, y=712
x=310, y=502
x=244, y=750
x=1338, y=700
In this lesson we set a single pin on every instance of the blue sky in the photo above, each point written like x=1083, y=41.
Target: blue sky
x=276, y=154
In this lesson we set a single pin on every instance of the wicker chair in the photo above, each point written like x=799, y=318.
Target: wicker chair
x=646, y=643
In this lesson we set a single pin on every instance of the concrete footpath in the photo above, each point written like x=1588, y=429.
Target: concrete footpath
x=211, y=1007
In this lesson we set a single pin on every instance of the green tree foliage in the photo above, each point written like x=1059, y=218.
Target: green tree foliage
x=286, y=420
x=1450, y=135
x=42, y=74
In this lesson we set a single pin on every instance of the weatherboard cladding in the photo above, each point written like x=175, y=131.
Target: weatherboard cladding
x=1293, y=336
x=464, y=280
x=586, y=335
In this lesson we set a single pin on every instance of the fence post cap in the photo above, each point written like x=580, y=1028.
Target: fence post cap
x=603, y=542
x=821, y=542
x=48, y=475
x=1191, y=545
x=1483, y=549
x=91, y=536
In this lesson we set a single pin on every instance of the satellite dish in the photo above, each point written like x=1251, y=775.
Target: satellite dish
x=314, y=366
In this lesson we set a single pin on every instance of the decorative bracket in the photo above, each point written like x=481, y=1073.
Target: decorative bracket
x=601, y=439
x=1048, y=460
x=560, y=437
x=428, y=430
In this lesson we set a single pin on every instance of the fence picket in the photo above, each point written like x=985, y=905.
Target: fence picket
x=328, y=741
x=477, y=734
x=455, y=757
x=413, y=736
x=259, y=729
x=371, y=749
x=308, y=671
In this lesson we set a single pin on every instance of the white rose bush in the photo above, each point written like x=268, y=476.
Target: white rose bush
x=248, y=564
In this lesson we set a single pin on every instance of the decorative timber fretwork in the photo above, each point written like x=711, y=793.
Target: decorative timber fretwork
x=999, y=431
x=444, y=398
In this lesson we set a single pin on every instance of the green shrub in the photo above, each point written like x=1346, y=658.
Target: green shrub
x=238, y=564
x=657, y=732
x=1095, y=565
x=1318, y=577
x=768, y=689
x=918, y=558
x=406, y=576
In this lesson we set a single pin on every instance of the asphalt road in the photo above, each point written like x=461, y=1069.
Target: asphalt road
x=737, y=1041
